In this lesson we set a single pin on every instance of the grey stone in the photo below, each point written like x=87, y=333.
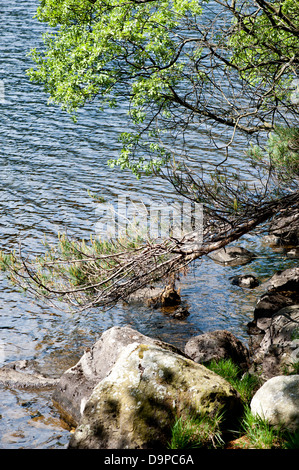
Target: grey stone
x=77, y=383
x=294, y=253
x=156, y=296
x=269, y=304
x=245, y=280
x=286, y=227
x=277, y=401
x=275, y=353
x=232, y=256
x=215, y=345
x=282, y=290
x=285, y=280
x=19, y=374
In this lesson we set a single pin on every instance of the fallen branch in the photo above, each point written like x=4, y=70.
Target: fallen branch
x=101, y=278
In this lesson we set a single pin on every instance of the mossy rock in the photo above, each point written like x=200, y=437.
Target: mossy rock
x=149, y=387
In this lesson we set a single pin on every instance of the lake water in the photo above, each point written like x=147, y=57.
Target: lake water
x=47, y=166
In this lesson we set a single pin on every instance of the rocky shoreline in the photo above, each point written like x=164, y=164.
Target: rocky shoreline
x=127, y=388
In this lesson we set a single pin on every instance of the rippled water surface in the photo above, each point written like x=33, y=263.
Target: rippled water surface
x=47, y=165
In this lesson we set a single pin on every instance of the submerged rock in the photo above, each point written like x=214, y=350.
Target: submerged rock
x=148, y=387
x=278, y=349
x=282, y=290
x=245, y=280
x=272, y=240
x=19, y=374
x=285, y=281
x=232, y=256
x=180, y=313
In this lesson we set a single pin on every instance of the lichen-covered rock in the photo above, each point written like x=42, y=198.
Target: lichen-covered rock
x=277, y=401
x=135, y=406
x=76, y=384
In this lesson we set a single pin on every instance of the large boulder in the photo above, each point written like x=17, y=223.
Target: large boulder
x=232, y=256
x=277, y=401
x=216, y=345
x=278, y=349
x=77, y=383
x=148, y=387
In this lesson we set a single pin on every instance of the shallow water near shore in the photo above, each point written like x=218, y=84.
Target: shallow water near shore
x=48, y=165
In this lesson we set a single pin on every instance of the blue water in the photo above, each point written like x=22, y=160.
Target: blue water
x=47, y=166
